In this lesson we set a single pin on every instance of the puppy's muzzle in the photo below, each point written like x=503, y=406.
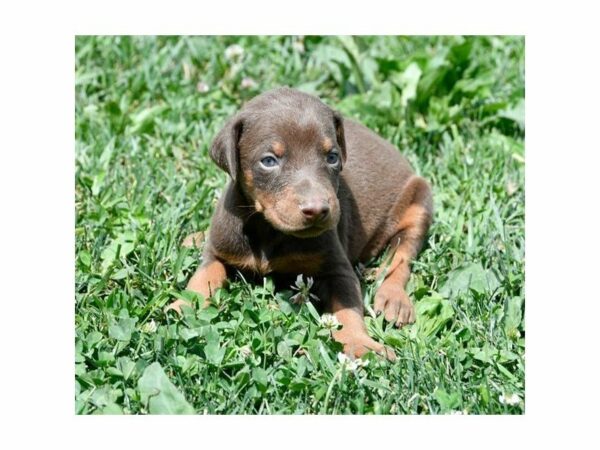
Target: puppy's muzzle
x=315, y=210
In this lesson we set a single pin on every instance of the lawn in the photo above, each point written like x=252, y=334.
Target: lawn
x=146, y=111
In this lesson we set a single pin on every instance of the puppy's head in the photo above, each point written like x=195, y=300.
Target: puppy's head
x=286, y=149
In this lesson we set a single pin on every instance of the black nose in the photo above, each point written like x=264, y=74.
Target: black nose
x=315, y=210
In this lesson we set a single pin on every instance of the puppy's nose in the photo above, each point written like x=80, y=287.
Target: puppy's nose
x=315, y=210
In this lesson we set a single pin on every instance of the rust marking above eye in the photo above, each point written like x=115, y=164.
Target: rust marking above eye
x=278, y=148
x=327, y=144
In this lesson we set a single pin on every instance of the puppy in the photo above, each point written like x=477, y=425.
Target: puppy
x=313, y=193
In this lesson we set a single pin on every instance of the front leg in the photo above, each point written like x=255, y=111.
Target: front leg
x=342, y=297
x=210, y=276
x=411, y=218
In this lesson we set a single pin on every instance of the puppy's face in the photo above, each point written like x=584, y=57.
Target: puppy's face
x=287, y=151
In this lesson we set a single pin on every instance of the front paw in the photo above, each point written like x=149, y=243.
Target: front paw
x=393, y=301
x=358, y=344
x=176, y=306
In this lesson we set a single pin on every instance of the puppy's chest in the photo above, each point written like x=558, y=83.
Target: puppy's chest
x=276, y=257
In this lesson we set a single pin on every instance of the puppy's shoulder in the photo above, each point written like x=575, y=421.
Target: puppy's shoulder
x=227, y=225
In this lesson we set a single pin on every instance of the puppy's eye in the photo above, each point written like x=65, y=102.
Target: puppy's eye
x=332, y=158
x=269, y=161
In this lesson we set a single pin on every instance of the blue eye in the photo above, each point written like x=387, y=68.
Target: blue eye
x=332, y=158
x=269, y=161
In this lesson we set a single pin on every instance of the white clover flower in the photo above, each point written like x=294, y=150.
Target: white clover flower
x=248, y=83
x=298, y=46
x=511, y=187
x=245, y=351
x=234, y=51
x=509, y=399
x=149, y=327
x=202, y=87
x=464, y=412
x=298, y=299
x=343, y=358
x=329, y=321
x=361, y=362
x=303, y=287
x=351, y=364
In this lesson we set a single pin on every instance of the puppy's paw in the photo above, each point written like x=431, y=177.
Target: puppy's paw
x=176, y=306
x=393, y=301
x=357, y=345
x=194, y=240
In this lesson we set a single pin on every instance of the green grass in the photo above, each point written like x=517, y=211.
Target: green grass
x=144, y=181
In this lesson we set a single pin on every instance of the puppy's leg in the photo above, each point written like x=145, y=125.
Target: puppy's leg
x=210, y=276
x=340, y=290
x=410, y=221
x=194, y=240
x=353, y=334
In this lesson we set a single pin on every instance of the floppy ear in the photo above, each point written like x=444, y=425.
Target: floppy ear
x=224, y=149
x=338, y=122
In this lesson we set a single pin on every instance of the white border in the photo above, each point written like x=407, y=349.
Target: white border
x=37, y=188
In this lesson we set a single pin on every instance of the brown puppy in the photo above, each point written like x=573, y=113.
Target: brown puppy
x=313, y=193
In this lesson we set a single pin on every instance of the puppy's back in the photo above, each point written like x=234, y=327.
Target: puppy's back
x=373, y=177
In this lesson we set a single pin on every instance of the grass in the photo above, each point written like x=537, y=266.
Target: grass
x=146, y=111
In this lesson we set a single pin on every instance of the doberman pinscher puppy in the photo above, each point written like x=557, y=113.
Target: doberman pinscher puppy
x=313, y=193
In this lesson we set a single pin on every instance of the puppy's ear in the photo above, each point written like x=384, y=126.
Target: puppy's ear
x=224, y=150
x=338, y=122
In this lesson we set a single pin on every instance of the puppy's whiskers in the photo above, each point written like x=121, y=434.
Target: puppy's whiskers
x=251, y=210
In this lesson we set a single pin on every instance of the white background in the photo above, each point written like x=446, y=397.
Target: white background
x=37, y=222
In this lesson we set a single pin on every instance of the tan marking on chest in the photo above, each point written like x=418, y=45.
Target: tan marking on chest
x=304, y=263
